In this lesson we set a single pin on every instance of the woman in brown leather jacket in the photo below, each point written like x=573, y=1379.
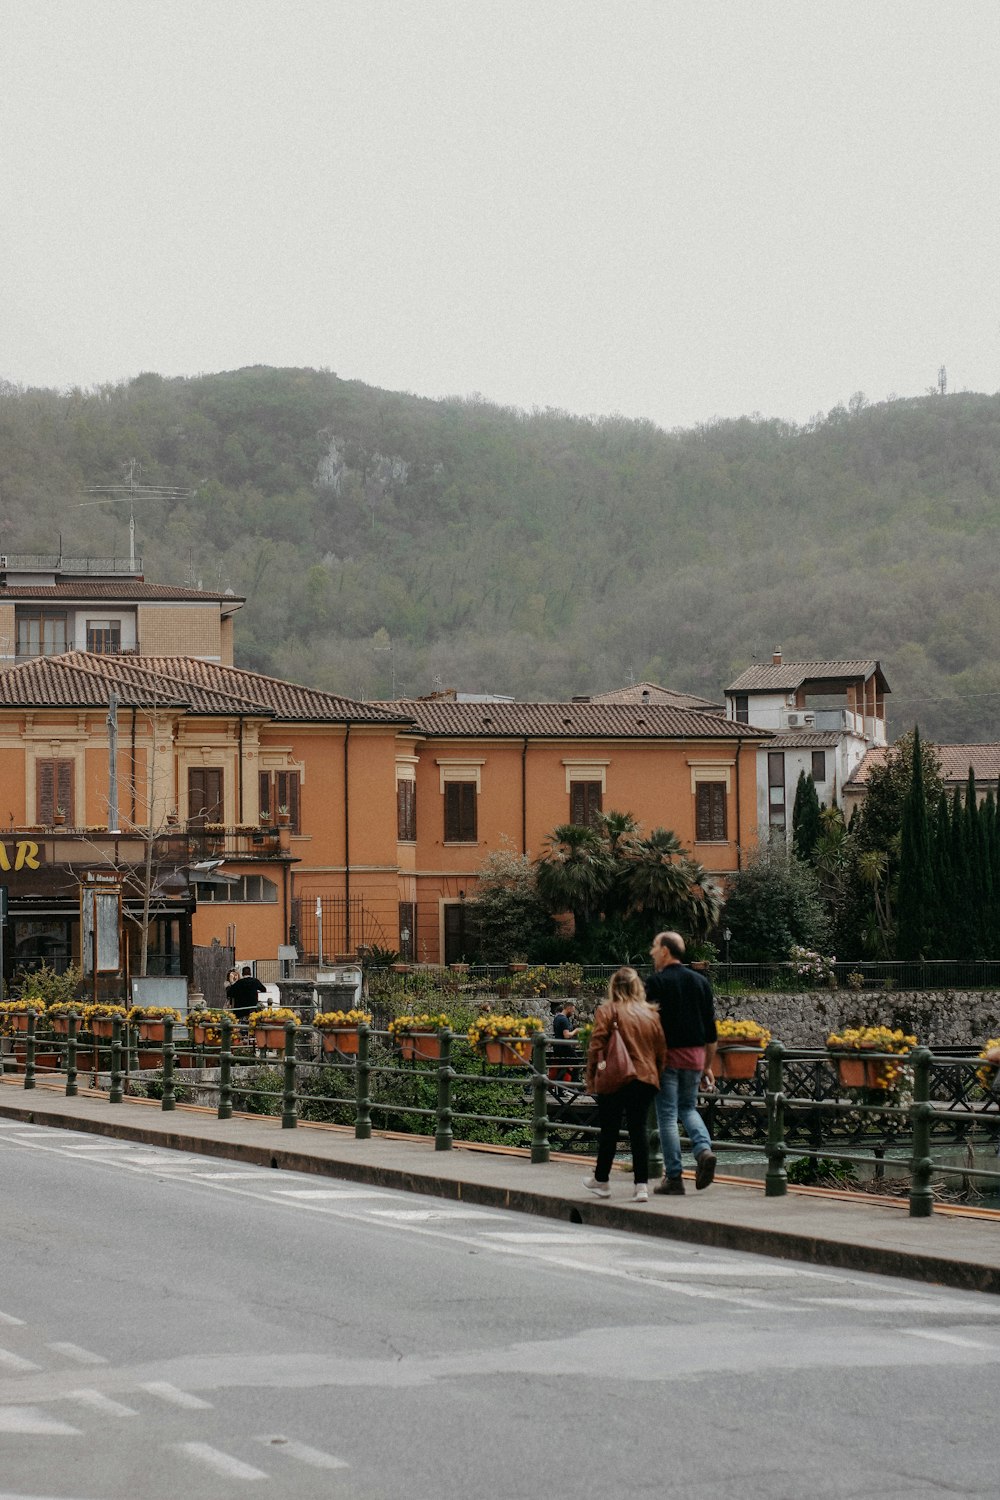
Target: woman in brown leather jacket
x=641, y=1031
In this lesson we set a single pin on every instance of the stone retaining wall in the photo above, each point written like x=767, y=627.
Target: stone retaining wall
x=935, y=1017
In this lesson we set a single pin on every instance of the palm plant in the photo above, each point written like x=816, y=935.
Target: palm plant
x=573, y=873
x=664, y=882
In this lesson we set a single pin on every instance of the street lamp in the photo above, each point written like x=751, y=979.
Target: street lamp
x=404, y=938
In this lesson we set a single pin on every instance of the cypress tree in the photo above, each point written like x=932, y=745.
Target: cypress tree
x=962, y=936
x=806, y=824
x=943, y=944
x=913, y=903
x=974, y=854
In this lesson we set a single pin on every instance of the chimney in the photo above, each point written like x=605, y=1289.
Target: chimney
x=776, y=658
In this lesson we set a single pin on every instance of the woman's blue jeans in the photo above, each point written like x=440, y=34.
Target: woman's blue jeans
x=678, y=1098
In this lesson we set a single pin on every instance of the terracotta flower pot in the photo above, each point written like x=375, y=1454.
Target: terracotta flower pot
x=60, y=1025
x=425, y=1044
x=859, y=1073
x=101, y=1026
x=151, y=1031
x=200, y=1036
x=342, y=1039
x=272, y=1037
x=507, y=1052
x=735, y=1065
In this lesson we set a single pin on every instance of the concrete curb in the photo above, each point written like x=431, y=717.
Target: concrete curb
x=812, y=1248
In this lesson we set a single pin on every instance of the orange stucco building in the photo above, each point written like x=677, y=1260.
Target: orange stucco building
x=260, y=799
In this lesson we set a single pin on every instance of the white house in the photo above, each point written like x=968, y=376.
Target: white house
x=825, y=716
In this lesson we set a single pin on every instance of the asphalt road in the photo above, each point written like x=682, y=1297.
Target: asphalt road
x=173, y=1324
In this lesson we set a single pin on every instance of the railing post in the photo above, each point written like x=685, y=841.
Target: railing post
x=362, y=1077
x=226, y=1071
x=289, y=1117
x=71, y=1055
x=539, y=1101
x=29, y=1051
x=442, y=1133
x=776, y=1179
x=115, y=1089
x=921, y=1197
x=168, y=1101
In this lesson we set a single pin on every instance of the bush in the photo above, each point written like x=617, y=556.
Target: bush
x=774, y=902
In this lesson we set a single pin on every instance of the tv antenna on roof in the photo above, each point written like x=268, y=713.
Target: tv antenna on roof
x=119, y=494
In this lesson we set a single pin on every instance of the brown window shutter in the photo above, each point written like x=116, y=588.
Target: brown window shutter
x=710, y=816
x=64, y=788
x=452, y=812
x=719, y=812
x=469, y=833
x=584, y=803
x=406, y=810
x=264, y=795
x=45, y=791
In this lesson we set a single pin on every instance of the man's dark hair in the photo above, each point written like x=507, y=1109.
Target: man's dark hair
x=673, y=944
x=246, y=971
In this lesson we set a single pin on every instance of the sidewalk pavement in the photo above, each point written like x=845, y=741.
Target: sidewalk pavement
x=958, y=1247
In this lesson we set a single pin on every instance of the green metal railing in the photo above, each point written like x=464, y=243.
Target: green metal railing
x=372, y=1083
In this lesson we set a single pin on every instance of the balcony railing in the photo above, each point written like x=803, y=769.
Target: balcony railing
x=52, y=562
x=33, y=653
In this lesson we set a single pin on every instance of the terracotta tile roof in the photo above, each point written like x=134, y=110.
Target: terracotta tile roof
x=109, y=588
x=651, y=692
x=81, y=679
x=768, y=677
x=955, y=762
x=804, y=739
x=573, y=721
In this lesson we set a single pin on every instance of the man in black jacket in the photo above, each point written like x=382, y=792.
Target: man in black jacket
x=242, y=994
x=687, y=1014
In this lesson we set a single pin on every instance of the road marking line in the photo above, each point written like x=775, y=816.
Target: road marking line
x=10, y=1321
x=97, y=1146
x=32, y=1421
x=421, y=1215
x=10, y=1361
x=222, y=1463
x=306, y=1455
x=235, y=1174
x=555, y=1237
x=168, y=1392
x=949, y=1338
x=82, y=1356
x=331, y=1193
x=902, y=1303
x=706, y=1268
x=98, y=1402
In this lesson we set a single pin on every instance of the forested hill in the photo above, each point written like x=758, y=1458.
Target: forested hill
x=468, y=545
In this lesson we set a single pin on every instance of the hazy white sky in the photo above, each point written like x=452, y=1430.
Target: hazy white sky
x=676, y=209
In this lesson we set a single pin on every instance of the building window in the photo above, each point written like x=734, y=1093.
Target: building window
x=742, y=708
x=42, y=633
x=460, y=812
x=710, y=812
x=819, y=766
x=407, y=928
x=280, y=789
x=584, y=803
x=406, y=811
x=254, y=888
x=54, y=791
x=205, y=800
x=776, y=788
x=104, y=637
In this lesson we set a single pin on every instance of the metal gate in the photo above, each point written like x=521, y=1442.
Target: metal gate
x=211, y=965
x=347, y=925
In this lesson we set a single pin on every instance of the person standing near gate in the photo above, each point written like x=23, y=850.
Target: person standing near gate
x=242, y=994
x=687, y=1014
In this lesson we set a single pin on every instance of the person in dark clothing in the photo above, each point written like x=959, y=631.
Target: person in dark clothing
x=687, y=1015
x=563, y=1029
x=242, y=994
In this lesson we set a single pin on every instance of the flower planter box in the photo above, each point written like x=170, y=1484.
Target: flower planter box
x=425, y=1044
x=151, y=1031
x=856, y=1072
x=736, y=1065
x=60, y=1025
x=102, y=1026
x=341, y=1039
x=269, y=1038
x=507, y=1053
x=200, y=1036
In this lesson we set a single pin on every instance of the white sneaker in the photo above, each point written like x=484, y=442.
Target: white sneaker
x=641, y=1194
x=599, y=1189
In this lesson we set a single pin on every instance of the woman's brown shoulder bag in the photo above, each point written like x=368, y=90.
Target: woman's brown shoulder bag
x=616, y=1067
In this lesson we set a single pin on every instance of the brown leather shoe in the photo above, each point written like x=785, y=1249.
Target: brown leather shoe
x=704, y=1169
x=670, y=1186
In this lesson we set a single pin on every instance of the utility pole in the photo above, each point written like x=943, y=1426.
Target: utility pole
x=113, y=763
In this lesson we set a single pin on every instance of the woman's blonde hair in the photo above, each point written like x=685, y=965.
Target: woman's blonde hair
x=626, y=988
